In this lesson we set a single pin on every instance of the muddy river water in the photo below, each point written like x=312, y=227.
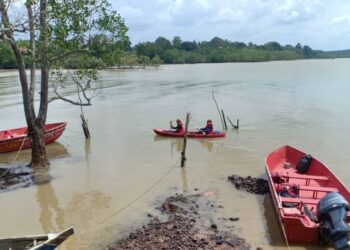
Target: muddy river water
x=106, y=186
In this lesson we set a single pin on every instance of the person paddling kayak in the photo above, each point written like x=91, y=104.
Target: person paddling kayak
x=179, y=128
x=208, y=129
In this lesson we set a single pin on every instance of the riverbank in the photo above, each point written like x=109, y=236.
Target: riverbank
x=189, y=224
x=11, y=178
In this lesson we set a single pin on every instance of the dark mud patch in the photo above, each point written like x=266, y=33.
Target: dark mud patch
x=11, y=178
x=185, y=227
x=250, y=184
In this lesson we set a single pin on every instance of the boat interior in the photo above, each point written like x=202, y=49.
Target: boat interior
x=299, y=193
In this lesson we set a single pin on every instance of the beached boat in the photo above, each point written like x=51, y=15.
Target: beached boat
x=14, y=139
x=311, y=202
x=38, y=242
x=190, y=134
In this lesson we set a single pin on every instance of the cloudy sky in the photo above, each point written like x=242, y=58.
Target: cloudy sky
x=321, y=24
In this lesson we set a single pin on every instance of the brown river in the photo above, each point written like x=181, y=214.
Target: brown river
x=106, y=186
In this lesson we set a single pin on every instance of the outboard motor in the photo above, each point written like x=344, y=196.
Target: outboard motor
x=331, y=212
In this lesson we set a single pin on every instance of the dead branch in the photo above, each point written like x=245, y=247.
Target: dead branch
x=59, y=96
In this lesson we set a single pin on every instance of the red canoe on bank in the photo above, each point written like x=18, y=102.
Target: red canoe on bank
x=191, y=134
x=311, y=202
x=12, y=139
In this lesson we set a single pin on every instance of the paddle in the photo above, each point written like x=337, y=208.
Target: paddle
x=309, y=213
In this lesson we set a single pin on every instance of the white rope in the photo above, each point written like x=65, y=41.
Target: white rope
x=12, y=163
x=142, y=194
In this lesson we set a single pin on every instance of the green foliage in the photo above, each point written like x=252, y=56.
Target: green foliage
x=163, y=43
x=87, y=27
x=272, y=46
x=177, y=42
x=7, y=59
x=219, y=50
x=307, y=52
x=129, y=60
x=156, y=61
x=84, y=62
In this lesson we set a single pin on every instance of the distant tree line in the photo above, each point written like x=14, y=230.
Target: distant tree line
x=99, y=52
x=219, y=50
x=103, y=52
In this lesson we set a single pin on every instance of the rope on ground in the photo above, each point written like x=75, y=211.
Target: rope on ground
x=11, y=164
x=142, y=194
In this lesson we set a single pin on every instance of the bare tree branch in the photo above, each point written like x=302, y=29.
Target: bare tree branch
x=66, y=99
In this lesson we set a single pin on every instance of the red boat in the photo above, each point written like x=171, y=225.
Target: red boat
x=14, y=139
x=191, y=134
x=311, y=202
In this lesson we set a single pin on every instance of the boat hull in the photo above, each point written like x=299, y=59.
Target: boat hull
x=37, y=242
x=313, y=186
x=20, y=140
x=190, y=134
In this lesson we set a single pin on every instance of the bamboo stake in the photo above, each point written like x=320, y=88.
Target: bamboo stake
x=217, y=106
x=183, y=152
x=234, y=126
x=85, y=126
x=228, y=118
x=223, y=115
x=84, y=121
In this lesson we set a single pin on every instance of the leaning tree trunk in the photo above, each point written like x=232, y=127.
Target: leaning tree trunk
x=37, y=133
x=35, y=123
x=39, y=156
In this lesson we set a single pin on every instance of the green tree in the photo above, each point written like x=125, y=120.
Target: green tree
x=272, y=46
x=163, y=43
x=128, y=60
x=62, y=29
x=156, y=61
x=189, y=46
x=147, y=49
x=177, y=42
x=144, y=61
x=7, y=59
x=307, y=52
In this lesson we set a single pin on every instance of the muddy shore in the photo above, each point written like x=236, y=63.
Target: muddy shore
x=186, y=222
x=15, y=177
x=188, y=225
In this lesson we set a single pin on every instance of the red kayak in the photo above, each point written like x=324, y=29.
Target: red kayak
x=191, y=134
x=12, y=140
x=311, y=202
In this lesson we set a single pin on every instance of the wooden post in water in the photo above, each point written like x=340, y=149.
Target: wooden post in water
x=223, y=116
x=183, y=152
x=85, y=126
x=217, y=106
x=234, y=126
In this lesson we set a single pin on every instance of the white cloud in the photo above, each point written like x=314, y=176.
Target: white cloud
x=228, y=15
x=344, y=19
x=130, y=13
x=317, y=23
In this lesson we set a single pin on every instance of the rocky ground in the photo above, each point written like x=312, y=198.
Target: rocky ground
x=184, y=228
x=250, y=184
